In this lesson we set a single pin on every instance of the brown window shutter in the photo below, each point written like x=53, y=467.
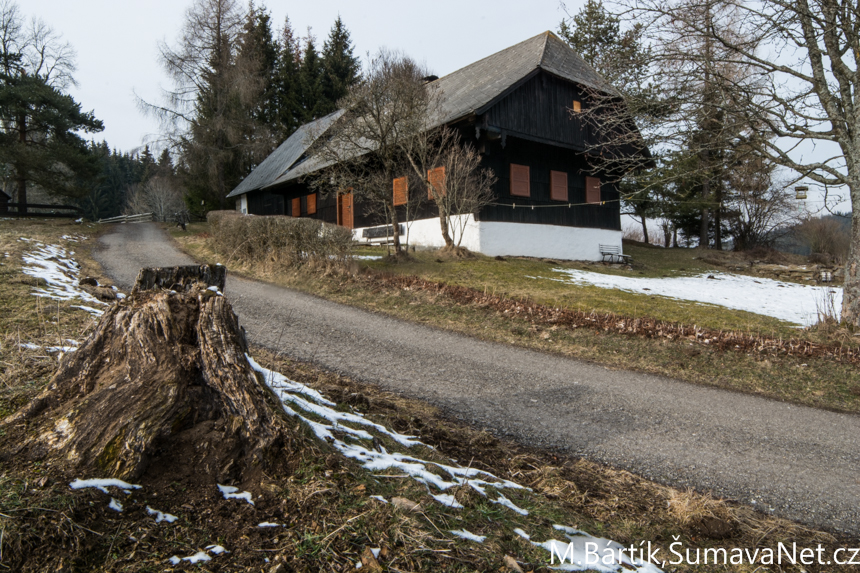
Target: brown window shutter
x=401, y=191
x=297, y=207
x=558, y=185
x=437, y=180
x=577, y=106
x=520, y=186
x=312, y=203
x=592, y=190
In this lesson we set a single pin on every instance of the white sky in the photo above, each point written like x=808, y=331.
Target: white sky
x=116, y=41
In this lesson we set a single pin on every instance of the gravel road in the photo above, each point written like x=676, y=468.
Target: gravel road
x=798, y=462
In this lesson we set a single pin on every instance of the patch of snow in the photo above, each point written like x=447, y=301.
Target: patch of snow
x=215, y=290
x=216, y=549
x=229, y=492
x=379, y=498
x=103, y=483
x=115, y=505
x=30, y=346
x=470, y=536
x=366, y=257
x=502, y=500
x=54, y=349
x=196, y=558
x=791, y=302
x=447, y=499
x=161, y=516
x=56, y=267
x=522, y=533
x=359, y=565
x=268, y=524
x=375, y=551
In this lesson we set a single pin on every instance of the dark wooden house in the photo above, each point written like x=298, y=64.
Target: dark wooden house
x=519, y=108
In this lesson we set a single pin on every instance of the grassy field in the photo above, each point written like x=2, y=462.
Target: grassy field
x=815, y=382
x=330, y=519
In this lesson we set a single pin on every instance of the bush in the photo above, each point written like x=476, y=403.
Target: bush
x=284, y=241
x=827, y=238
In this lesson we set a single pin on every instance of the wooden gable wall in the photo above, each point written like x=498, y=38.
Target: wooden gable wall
x=540, y=110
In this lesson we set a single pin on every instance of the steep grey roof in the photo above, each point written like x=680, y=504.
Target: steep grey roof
x=470, y=88
x=464, y=92
x=283, y=158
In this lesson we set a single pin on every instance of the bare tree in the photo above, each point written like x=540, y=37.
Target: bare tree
x=364, y=148
x=208, y=115
x=452, y=174
x=804, y=57
x=158, y=195
x=761, y=208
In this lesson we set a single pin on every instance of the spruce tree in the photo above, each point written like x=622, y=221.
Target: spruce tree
x=287, y=96
x=310, y=82
x=340, y=67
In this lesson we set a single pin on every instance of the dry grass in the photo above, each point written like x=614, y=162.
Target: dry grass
x=325, y=501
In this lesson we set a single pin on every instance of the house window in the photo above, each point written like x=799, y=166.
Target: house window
x=577, y=106
x=401, y=191
x=558, y=185
x=520, y=180
x=312, y=203
x=592, y=190
x=436, y=177
x=297, y=207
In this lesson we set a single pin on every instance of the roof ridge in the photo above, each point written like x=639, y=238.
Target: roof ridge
x=543, y=52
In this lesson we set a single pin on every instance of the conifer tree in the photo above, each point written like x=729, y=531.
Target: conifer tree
x=310, y=82
x=287, y=96
x=340, y=67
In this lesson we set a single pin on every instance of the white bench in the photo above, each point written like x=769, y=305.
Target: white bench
x=613, y=254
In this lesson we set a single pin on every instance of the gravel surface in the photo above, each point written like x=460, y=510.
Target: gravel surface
x=797, y=462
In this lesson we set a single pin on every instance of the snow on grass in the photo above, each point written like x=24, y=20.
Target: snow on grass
x=198, y=557
x=268, y=524
x=470, y=536
x=229, y=492
x=161, y=516
x=429, y=473
x=502, y=500
x=791, y=302
x=54, y=265
x=115, y=505
x=103, y=483
x=447, y=499
x=216, y=549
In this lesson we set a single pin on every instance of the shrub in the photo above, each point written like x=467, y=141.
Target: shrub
x=283, y=241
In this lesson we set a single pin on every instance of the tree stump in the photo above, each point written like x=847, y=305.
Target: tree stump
x=158, y=363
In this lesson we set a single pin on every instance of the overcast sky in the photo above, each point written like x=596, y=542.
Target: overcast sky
x=116, y=41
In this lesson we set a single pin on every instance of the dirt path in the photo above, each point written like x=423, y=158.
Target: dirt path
x=797, y=462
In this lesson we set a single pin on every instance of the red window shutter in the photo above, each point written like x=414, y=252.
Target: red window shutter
x=592, y=190
x=437, y=180
x=520, y=186
x=401, y=191
x=558, y=185
x=297, y=207
x=312, y=203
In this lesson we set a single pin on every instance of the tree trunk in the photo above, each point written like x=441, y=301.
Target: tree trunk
x=851, y=286
x=21, y=178
x=718, y=220
x=395, y=228
x=443, y=223
x=645, y=230
x=158, y=363
x=703, y=227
